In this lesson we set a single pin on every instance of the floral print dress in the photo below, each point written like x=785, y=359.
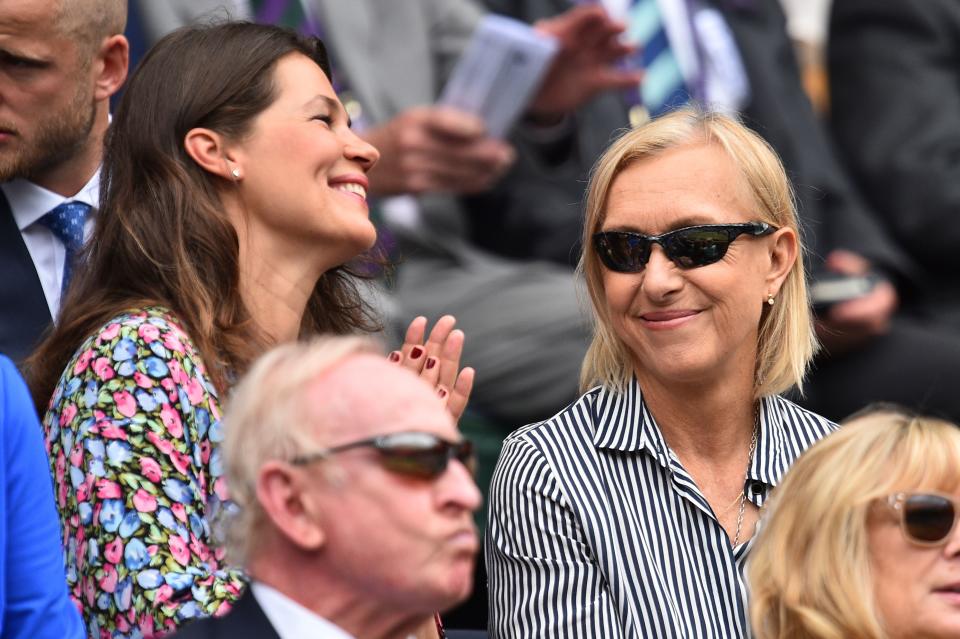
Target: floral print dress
x=133, y=433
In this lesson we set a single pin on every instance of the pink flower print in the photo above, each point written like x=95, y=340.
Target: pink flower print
x=99, y=415
x=143, y=381
x=122, y=624
x=68, y=413
x=114, y=551
x=126, y=404
x=108, y=582
x=179, y=550
x=220, y=488
x=83, y=361
x=76, y=455
x=150, y=468
x=214, y=411
x=199, y=548
x=205, y=451
x=152, y=550
x=161, y=444
x=180, y=461
x=164, y=593
x=146, y=624
x=171, y=419
x=176, y=372
x=83, y=492
x=103, y=369
x=148, y=332
x=179, y=512
x=107, y=489
x=144, y=501
x=109, y=431
x=110, y=332
x=194, y=391
x=172, y=341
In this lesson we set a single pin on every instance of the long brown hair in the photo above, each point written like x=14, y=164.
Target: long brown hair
x=162, y=237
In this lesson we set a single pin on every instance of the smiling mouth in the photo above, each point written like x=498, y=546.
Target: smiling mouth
x=663, y=317
x=353, y=188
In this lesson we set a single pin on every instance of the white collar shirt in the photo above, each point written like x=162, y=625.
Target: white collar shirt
x=290, y=619
x=28, y=203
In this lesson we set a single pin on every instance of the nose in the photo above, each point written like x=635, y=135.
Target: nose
x=359, y=150
x=661, y=277
x=457, y=489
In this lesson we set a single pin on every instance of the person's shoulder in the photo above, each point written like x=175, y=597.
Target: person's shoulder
x=801, y=422
x=575, y=418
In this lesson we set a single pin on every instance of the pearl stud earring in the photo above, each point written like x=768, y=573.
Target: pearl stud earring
x=770, y=300
x=235, y=173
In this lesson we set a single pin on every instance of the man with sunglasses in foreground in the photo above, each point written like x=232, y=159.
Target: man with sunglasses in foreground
x=355, y=497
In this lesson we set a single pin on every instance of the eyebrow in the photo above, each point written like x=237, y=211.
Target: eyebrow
x=331, y=104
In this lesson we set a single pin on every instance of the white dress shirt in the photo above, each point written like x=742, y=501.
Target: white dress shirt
x=290, y=619
x=29, y=203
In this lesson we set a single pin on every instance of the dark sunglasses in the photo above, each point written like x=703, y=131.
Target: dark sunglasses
x=926, y=519
x=689, y=247
x=414, y=454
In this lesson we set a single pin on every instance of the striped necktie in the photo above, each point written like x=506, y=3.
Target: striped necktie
x=66, y=223
x=663, y=87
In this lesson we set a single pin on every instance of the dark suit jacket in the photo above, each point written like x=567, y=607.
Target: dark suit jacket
x=246, y=621
x=894, y=70
x=24, y=313
x=536, y=211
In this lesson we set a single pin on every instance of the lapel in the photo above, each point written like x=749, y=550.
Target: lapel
x=24, y=313
x=382, y=46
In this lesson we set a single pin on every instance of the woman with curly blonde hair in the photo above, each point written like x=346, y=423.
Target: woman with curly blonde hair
x=860, y=539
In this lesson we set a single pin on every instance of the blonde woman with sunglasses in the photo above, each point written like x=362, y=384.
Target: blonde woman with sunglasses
x=631, y=512
x=861, y=538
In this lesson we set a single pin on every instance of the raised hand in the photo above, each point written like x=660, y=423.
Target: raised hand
x=437, y=360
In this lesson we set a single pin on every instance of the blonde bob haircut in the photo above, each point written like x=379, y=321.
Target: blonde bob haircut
x=786, y=341
x=268, y=418
x=809, y=571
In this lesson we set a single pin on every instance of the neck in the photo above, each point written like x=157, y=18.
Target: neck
x=706, y=422
x=68, y=177
x=359, y=613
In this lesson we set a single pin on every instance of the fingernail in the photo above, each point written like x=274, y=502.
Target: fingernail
x=431, y=362
x=395, y=356
x=442, y=392
x=416, y=352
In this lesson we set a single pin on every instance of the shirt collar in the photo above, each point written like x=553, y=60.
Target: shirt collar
x=29, y=202
x=623, y=422
x=290, y=619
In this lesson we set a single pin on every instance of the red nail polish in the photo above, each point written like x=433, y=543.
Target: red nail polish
x=431, y=362
x=416, y=352
x=394, y=356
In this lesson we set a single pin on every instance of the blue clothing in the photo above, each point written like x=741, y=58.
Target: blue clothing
x=34, y=602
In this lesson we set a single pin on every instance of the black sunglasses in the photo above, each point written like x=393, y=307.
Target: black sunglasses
x=689, y=247
x=926, y=519
x=415, y=454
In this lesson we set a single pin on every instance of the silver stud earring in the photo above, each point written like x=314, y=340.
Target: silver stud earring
x=235, y=173
x=770, y=300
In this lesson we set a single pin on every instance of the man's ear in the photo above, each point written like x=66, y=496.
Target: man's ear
x=283, y=496
x=112, y=62
x=209, y=150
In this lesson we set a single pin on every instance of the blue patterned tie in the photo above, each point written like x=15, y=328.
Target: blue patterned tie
x=663, y=87
x=66, y=222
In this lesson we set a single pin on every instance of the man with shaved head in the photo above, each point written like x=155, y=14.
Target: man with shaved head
x=60, y=61
x=355, y=494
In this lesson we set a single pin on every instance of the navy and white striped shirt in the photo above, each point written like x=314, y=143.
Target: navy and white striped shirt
x=596, y=529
